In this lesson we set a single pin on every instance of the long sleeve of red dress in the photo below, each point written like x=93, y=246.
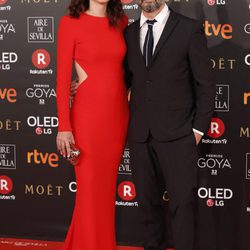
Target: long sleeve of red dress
x=65, y=58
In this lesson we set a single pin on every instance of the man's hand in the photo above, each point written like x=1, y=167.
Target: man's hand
x=73, y=87
x=197, y=137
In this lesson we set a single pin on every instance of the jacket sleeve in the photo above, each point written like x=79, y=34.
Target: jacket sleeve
x=203, y=77
x=65, y=56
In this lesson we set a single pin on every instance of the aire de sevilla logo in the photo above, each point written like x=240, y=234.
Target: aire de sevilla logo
x=41, y=58
x=2, y=2
x=126, y=190
x=6, y=184
x=217, y=128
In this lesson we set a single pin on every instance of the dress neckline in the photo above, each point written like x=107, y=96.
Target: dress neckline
x=97, y=17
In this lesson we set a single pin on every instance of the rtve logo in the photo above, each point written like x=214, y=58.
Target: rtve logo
x=43, y=158
x=41, y=58
x=217, y=128
x=246, y=98
x=6, y=184
x=223, y=30
x=9, y=94
x=126, y=190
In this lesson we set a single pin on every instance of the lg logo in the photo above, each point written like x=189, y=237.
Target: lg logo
x=6, y=184
x=217, y=128
x=126, y=190
x=217, y=2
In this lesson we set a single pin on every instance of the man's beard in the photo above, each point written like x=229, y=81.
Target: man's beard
x=150, y=7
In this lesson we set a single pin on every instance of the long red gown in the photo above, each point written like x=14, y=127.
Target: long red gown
x=98, y=118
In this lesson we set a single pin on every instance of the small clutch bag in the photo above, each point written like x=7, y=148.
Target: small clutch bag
x=74, y=155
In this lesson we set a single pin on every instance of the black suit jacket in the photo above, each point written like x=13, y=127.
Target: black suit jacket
x=176, y=92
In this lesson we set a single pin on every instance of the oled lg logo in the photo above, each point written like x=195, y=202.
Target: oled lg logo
x=42, y=125
x=6, y=59
x=6, y=187
x=216, y=130
x=126, y=192
x=216, y=2
x=218, y=30
x=215, y=196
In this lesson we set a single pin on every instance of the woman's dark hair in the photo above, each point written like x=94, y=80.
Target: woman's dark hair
x=114, y=10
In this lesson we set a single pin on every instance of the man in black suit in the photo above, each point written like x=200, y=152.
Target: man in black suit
x=172, y=100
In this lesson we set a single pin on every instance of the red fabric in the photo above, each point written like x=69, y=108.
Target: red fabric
x=14, y=244
x=98, y=119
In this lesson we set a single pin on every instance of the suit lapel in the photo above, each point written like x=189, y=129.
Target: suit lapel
x=169, y=27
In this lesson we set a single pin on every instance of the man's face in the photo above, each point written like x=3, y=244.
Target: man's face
x=150, y=5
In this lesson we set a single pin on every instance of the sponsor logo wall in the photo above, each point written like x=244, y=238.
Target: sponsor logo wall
x=37, y=187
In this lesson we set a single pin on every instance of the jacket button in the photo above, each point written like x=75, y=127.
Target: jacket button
x=148, y=81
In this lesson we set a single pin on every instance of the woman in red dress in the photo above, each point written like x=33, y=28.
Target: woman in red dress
x=91, y=38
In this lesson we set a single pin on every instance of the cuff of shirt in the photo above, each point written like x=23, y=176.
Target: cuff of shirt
x=198, y=132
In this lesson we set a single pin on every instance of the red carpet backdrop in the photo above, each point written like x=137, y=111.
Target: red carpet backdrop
x=37, y=186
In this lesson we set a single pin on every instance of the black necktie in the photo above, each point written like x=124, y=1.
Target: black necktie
x=149, y=43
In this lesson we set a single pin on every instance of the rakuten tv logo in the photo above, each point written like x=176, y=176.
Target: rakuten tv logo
x=6, y=184
x=215, y=196
x=2, y=2
x=40, y=158
x=126, y=191
x=127, y=1
x=217, y=128
x=217, y=30
x=41, y=58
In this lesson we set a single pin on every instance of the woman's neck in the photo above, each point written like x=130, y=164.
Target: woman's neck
x=97, y=9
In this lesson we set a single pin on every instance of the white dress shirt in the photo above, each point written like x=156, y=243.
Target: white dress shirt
x=161, y=20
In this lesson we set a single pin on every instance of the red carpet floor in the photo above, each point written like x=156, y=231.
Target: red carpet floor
x=15, y=244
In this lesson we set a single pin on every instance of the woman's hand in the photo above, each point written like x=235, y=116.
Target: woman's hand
x=63, y=141
x=73, y=87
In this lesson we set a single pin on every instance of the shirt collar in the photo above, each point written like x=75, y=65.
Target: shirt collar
x=159, y=18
